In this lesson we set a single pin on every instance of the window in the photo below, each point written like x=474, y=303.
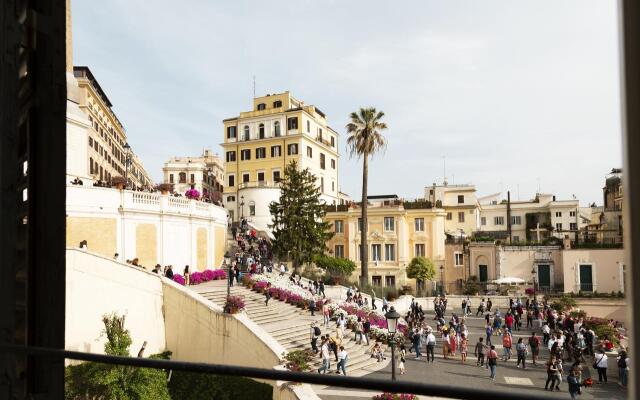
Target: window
x=339, y=251
x=449, y=216
x=292, y=149
x=333, y=164
x=339, y=226
x=90, y=141
x=322, y=162
x=573, y=226
x=276, y=176
x=516, y=239
x=333, y=186
x=261, y=152
x=309, y=152
x=461, y=216
x=170, y=178
x=252, y=208
x=460, y=199
x=276, y=129
x=245, y=178
x=277, y=104
x=246, y=133
x=419, y=224
x=322, y=184
x=231, y=156
x=572, y=213
x=183, y=177
x=376, y=280
x=498, y=220
x=390, y=281
x=558, y=214
x=558, y=226
x=419, y=250
x=231, y=132
x=292, y=123
x=483, y=221
x=389, y=252
x=193, y=178
x=261, y=106
x=91, y=165
x=459, y=259
x=260, y=176
x=376, y=252
x=308, y=126
x=333, y=141
x=261, y=131
x=389, y=224
x=231, y=198
x=516, y=220
x=245, y=154
x=276, y=151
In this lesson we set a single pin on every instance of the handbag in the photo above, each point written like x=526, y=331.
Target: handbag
x=595, y=363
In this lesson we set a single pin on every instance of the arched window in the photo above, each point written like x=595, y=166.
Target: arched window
x=261, y=106
x=246, y=132
x=261, y=131
x=183, y=177
x=277, y=104
x=276, y=128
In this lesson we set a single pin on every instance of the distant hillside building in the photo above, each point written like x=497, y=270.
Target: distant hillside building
x=204, y=173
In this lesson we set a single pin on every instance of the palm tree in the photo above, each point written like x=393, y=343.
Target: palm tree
x=364, y=140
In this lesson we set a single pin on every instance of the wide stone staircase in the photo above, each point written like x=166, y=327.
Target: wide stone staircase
x=291, y=326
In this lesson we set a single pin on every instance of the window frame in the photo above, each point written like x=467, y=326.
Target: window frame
x=393, y=224
x=418, y=224
x=387, y=247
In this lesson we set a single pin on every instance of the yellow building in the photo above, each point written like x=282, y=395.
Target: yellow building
x=258, y=144
x=105, y=153
x=460, y=204
x=397, y=232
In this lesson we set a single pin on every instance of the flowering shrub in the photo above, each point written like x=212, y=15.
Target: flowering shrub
x=234, y=304
x=192, y=194
x=298, y=360
x=395, y=396
x=260, y=285
x=178, y=279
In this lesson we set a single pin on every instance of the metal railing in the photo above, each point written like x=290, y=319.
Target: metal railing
x=383, y=385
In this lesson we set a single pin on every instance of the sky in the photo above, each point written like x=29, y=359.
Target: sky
x=520, y=96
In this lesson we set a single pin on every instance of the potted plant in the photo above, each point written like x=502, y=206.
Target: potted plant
x=119, y=182
x=234, y=304
x=298, y=360
x=165, y=188
x=192, y=193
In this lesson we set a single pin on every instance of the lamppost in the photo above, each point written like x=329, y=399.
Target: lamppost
x=533, y=274
x=127, y=163
x=241, y=207
x=392, y=317
x=227, y=261
x=441, y=280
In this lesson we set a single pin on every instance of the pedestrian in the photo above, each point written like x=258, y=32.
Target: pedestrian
x=342, y=361
x=312, y=307
x=325, y=314
x=507, y=342
x=552, y=377
x=373, y=300
x=385, y=305
x=574, y=384
x=479, y=352
x=366, y=327
x=489, y=304
x=321, y=289
x=187, y=276
x=463, y=348
x=315, y=334
x=600, y=364
x=431, y=345
x=267, y=294
x=358, y=331
x=445, y=344
x=415, y=340
x=623, y=368
x=521, y=351
x=492, y=361
x=489, y=332
x=169, y=273
x=403, y=355
x=326, y=361
x=534, y=343
x=546, y=331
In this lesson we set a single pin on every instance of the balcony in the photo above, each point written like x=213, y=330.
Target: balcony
x=259, y=184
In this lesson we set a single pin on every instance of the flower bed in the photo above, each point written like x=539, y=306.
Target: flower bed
x=234, y=304
x=395, y=396
x=200, y=277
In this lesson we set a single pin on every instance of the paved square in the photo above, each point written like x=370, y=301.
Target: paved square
x=513, y=380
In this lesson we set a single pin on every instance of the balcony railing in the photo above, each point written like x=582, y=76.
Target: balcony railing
x=259, y=184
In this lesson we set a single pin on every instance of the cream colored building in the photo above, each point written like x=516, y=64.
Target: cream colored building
x=548, y=217
x=460, y=204
x=590, y=270
x=396, y=234
x=97, y=146
x=204, y=173
x=258, y=144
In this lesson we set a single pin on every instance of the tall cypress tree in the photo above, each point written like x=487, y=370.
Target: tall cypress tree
x=299, y=228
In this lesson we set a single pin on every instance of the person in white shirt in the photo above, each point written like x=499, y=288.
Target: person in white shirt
x=326, y=361
x=431, y=345
x=342, y=360
x=600, y=362
x=282, y=269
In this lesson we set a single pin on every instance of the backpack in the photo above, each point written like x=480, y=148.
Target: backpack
x=622, y=362
x=316, y=331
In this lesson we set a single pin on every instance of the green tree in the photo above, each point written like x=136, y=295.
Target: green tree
x=93, y=380
x=365, y=140
x=298, y=227
x=421, y=268
x=335, y=266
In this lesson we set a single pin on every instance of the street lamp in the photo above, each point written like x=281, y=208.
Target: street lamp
x=227, y=261
x=241, y=207
x=533, y=273
x=127, y=163
x=392, y=317
x=441, y=280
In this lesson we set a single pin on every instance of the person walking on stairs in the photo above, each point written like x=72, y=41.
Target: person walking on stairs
x=342, y=361
x=326, y=360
